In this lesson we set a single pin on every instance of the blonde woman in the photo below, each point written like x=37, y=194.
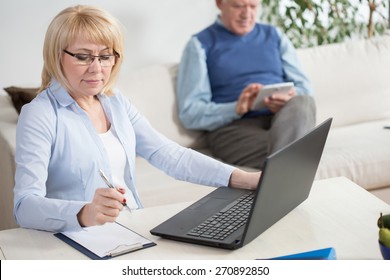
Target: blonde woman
x=78, y=125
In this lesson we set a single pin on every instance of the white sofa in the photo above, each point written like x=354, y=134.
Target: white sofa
x=351, y=85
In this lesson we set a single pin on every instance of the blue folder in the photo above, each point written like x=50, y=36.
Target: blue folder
x=321, y=254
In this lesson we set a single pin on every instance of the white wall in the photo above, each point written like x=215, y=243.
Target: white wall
x=156, y=31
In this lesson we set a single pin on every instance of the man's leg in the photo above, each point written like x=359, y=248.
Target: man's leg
x=294, y=120
x=244, y=142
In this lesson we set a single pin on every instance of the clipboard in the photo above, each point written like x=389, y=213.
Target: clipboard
x=105, y=241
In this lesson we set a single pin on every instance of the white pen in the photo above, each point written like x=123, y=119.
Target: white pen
x=108, y=183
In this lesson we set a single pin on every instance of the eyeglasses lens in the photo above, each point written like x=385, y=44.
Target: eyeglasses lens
x=105, y=60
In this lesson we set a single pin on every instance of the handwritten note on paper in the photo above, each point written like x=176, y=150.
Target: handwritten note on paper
x=110, y=239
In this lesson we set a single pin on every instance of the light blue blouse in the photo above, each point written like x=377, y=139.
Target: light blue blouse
x=59, y=153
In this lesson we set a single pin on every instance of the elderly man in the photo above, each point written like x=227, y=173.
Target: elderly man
x=223, y=67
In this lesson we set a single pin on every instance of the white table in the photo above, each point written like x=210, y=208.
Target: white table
x=338, y=214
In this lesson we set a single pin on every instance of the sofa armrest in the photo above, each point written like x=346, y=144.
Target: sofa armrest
x=7, y=173
x=8, y=120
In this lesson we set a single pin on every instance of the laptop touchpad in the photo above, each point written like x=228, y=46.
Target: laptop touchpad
x=208, y=203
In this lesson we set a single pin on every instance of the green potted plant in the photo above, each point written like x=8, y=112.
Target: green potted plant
x=316, y=22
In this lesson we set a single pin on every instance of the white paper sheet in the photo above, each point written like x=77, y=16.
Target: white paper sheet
x=110, y=239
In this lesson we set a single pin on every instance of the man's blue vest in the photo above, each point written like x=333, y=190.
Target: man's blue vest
x=235, y=61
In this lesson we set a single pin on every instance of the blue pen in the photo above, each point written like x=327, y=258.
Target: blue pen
x=111, y=186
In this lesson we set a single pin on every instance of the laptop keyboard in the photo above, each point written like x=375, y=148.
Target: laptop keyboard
x=226, y=221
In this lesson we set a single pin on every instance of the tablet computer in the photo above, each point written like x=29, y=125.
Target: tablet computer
x=268, y=90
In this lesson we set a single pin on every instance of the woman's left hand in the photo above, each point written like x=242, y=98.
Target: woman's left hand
x=241, y=179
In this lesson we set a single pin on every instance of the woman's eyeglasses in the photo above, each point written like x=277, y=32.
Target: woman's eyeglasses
x=106, y=60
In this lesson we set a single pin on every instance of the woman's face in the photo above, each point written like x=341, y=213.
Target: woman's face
x=87, y=78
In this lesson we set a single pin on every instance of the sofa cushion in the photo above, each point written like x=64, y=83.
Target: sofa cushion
x=350, y=80
x=21, y=96
x=359, y=152
x=151, y=89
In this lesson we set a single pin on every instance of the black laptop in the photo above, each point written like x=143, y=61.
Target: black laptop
x=231, y=218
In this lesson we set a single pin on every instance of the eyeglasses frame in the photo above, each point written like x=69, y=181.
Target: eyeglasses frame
x=116, y=55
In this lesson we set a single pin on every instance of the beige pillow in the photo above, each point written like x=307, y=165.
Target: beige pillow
x=350, y=80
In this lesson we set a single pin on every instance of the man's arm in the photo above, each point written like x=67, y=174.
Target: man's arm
x=196, y=110
x=292, y=67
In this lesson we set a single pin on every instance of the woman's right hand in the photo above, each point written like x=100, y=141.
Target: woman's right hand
x=105, y=207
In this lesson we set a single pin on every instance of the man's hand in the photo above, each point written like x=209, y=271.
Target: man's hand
x=105, y=207
x=246, y=98
x=276, y=101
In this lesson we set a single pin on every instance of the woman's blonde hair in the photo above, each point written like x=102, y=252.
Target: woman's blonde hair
x=97, y=25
